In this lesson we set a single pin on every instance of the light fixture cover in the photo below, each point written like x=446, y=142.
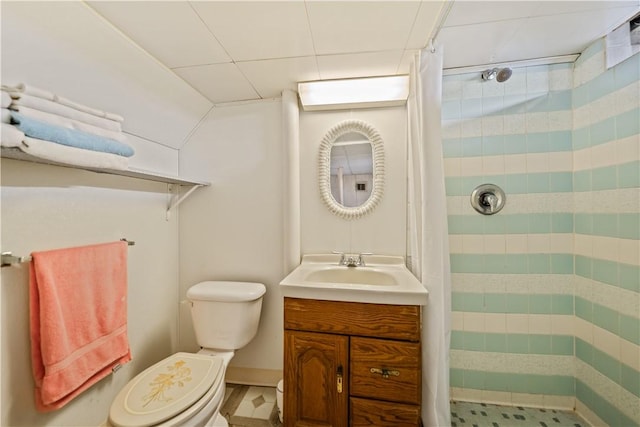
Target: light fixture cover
x=354, y=93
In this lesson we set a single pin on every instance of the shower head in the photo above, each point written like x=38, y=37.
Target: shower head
x=504, y=74
x=500, y=74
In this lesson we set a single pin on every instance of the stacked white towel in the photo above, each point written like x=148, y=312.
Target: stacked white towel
x=55, y=128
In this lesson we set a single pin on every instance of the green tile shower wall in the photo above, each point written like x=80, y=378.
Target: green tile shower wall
x=465, y=104
x=625, y=276
x=618, y=372
x=512, y=303
x=559, y=345
x=531, y=263
x=590, y=220
x=555, y=385
x=527, y=263
x=511, y=223
x=603, y=408
x=521, y=183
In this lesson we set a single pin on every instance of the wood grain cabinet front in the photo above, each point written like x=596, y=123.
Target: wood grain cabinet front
x=351, y=364
x=315, y=372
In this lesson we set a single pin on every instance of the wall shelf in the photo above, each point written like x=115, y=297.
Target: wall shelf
x=16, y=154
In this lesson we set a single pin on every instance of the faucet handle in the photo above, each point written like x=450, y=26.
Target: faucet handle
x=361, y=260
x=342, y=257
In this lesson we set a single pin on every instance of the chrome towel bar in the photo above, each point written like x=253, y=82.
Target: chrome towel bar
x=8, y=259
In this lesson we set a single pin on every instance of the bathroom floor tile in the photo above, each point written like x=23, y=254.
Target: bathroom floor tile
x=465, y=414
x=250, y=406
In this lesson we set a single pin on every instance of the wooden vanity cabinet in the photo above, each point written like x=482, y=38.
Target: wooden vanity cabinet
x=351, y=364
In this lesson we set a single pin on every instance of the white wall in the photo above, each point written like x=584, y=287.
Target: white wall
x=383, y=231
x=66, y=48
x=233, y=230
x=47, y=207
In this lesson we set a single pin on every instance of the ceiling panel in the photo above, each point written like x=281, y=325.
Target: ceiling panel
x=218, y=82
x=359, y=64
x=239, y=50
x=555, y=35
x=424, y=25
x=476, y=44
x=258, y=30
x=170, y=31
x=563, y=7
x=270, y=77
x=348, y=27
x=476, y=12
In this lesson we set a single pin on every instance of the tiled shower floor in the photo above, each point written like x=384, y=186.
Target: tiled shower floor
x=465, y=414
x=252, y=406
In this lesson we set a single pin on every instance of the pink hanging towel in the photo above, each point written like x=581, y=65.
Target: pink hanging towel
x=78, y=316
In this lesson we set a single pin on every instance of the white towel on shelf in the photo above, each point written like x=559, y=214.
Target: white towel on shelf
x=6, y=99
x=73, y=156
x=81, y=107
x=22, y=88
x=68, y=123
x=62, y=110
x=5, y=115
x=10, y=136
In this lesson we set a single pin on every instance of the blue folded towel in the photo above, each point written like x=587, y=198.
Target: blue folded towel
x=69, y=137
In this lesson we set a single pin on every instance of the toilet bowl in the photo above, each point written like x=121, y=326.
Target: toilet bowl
x=188, y=388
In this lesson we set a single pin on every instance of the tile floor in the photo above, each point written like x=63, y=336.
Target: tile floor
x=465, y=414
x=252, y=406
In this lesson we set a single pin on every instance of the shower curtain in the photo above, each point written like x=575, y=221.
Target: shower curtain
x=428, y=239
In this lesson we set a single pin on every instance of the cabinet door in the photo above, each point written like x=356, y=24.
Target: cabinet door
x=316, y=379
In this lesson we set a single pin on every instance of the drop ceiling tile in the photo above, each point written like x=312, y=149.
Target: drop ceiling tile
x=562, y=7
x=170, y=31
x=258, y=30
x=424, y=26
x=349, y=27
x=476, y=44
x=271, y=76
x=359, y=64
x=218, y=82
x=475, y=12
x=556, y=35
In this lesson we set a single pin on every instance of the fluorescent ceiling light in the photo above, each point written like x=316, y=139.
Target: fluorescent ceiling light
x=354, y=93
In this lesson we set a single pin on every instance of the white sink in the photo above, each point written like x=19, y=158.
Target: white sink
x=384, y=280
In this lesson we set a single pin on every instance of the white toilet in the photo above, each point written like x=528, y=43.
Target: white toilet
x=188, y=388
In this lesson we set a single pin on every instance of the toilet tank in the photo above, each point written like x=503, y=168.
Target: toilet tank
x=225, y=314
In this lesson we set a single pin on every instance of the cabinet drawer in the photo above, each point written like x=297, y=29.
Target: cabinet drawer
x=352, y=318
x=365, y=412
x=386, y=370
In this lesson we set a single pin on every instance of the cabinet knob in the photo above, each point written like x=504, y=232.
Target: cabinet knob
x=386, y=373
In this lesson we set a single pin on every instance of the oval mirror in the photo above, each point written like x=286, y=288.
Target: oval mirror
x=351, y=169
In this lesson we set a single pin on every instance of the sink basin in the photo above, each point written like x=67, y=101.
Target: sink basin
x=351, y=275
x=384, y=280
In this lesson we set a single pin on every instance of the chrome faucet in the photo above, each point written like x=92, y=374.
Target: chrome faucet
x=352, y=260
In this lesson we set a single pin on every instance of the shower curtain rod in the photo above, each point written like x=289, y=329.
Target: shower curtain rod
x=8, y=259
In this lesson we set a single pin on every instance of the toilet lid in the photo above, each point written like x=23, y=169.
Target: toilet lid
x=166, y=389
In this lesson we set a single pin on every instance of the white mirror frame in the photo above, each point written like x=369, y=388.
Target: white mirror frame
x=324, y=169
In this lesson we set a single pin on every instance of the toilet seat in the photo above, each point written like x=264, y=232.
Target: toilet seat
x=171, y=391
